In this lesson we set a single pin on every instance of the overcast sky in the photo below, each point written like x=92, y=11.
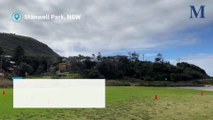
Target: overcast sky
x=118, y=27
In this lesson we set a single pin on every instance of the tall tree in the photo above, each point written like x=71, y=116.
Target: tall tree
x=1, y=57
x=99, y=57
x=18, y=54
x=133, y=56
x=1, y=51
x=159, y=58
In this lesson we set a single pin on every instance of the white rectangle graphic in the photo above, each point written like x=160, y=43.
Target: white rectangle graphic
x=59, y=93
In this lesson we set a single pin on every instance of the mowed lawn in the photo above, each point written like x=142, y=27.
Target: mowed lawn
x=124, y=103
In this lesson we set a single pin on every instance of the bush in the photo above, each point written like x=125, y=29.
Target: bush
x=92, y=73
x=25, y=68
x=117, y=83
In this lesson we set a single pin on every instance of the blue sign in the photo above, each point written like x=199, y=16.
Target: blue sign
x=16, y=78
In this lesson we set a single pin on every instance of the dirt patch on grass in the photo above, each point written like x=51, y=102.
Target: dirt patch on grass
x=6, y=83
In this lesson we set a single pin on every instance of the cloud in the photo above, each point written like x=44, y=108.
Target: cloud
x=106, y=25
x=150, y=54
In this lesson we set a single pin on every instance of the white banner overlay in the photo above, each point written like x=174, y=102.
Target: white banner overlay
x=59, y=93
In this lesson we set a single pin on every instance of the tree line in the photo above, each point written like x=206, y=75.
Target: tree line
x=109, y=67
x=125, y=67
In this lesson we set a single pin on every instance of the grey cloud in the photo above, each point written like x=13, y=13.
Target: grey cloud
x=105, y=24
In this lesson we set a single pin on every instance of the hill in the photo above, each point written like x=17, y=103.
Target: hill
x=31, y=46
x=125, y=68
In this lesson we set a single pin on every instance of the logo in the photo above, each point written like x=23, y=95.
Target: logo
x=196, y=13
x=16, y=16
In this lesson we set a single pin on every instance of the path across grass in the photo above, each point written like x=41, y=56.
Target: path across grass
x=124, y=103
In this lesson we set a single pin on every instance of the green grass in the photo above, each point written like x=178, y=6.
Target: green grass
x=70, y=75
x=125, y=103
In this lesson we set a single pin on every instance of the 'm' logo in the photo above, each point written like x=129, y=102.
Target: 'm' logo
x=195, y=13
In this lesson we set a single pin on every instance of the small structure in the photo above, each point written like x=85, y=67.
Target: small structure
x=1, y=73
x=63, y=67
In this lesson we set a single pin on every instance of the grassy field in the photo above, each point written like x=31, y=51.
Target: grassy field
x=124, y=103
